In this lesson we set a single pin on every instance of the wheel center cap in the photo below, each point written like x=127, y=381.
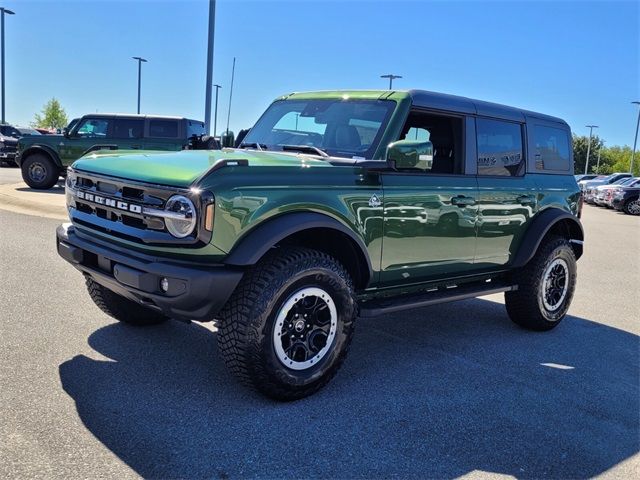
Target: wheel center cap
x=299, y=325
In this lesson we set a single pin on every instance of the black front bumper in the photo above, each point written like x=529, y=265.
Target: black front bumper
x=193, y=293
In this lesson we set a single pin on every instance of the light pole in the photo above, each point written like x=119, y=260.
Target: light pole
x=209, y=80
x=633, y=153
x=140, y=60
x=8, y=12
x=391, y=78
x=599, y=150
x=215, y=113
x=586, y=165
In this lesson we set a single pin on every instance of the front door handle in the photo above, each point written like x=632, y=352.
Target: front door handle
x=462, y=201
x=526, y=200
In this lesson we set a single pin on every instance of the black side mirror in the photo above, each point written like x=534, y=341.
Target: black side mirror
x=65, y=132
x=410, y=155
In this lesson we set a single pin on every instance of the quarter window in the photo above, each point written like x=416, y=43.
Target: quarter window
x=163, y=128
x=552, y=148
x=499, y=148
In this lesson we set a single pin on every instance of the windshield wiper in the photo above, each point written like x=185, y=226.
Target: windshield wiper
x=304, y=149
x=257, y=146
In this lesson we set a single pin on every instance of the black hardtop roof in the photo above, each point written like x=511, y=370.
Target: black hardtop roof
x=443, y=101
x=134, y=115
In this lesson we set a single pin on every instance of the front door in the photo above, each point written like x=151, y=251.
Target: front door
x=430, y=215
x=90, y=133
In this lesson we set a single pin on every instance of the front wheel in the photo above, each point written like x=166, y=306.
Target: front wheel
x=39, y=171
x=545, y=286
x=287, y=328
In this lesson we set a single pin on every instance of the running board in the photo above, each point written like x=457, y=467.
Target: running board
x=384, y=306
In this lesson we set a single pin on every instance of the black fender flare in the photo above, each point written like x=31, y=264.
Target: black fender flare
x=41, y=149
x=254, y=244
x=541, y=224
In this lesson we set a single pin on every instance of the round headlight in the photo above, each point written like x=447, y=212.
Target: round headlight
x=181, y=218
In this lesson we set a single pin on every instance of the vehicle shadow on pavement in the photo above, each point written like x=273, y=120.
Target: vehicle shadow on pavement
x=437, y=392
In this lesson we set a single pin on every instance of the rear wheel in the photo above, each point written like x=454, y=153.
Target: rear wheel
x=39, y=171
x=632, y=207
x=287, y=328
x=545, y=286
x=121, y=308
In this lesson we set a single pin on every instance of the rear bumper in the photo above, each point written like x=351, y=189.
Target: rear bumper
x=194, y=292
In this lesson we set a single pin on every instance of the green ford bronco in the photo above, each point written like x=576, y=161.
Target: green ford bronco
x=336, y=205
x=44, y=158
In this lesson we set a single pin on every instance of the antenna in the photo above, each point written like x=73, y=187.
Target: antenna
x=233, y=71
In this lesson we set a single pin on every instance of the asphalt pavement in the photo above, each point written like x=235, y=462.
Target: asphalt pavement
x=10, y=175
x=446, y=391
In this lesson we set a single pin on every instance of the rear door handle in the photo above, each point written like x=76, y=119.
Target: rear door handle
x=526, y=200
x=462, y=201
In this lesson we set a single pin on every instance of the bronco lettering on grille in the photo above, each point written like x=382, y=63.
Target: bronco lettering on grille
x=109, y=202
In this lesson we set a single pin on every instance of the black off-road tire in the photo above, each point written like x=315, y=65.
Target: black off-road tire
x=526, y=305
x=39, y=171
x=121, y=308
x=247, y=324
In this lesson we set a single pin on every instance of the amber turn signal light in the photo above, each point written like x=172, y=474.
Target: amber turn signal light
x=208, y=217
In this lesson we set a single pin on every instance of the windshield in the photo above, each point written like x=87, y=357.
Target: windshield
x=341, y=128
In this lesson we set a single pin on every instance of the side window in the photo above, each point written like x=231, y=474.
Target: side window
x=128, y=128
x=499, y=148
x=552, y=148
x=163, y=128
x=93, y=128
x=444, y=133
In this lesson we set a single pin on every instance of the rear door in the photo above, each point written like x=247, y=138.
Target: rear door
x=430, y=216
x=507, y=197
x=127, y=133
x=164, y=134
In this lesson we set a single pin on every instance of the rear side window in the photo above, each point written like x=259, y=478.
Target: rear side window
x=128, y=128
x=499, y=148
x=163, y=128
x=552, y=148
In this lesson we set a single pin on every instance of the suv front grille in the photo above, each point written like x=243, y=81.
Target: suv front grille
x=125, y=209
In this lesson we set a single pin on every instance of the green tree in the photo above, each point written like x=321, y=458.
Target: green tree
x=580, y=144
x=53, y=116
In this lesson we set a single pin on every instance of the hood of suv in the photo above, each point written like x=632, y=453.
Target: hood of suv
x=10, y=141
x=181, y=169
x=28, y=140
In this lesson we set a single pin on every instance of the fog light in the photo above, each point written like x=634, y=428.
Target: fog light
x=164, y=284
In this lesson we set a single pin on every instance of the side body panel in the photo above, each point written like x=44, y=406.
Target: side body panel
x=244, y=202
x=426, y=234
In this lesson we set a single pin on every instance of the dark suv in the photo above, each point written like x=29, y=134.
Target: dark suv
x=336, y=205
x=43, y=158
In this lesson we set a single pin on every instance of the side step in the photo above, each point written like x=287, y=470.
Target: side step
x=383, y=306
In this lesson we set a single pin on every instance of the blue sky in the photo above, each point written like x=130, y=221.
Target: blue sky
x=576, y=60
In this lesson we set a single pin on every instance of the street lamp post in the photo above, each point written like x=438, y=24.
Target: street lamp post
x=599, y=150
x=633, y=153
x=391, y=78
x=209, y=79
x=140, y=60
x=215, y=112
x=8, y=12
x=586, y=165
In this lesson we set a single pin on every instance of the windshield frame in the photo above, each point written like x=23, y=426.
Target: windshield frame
x=390, y=105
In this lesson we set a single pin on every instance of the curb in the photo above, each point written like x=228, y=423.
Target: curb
x=14, y=201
